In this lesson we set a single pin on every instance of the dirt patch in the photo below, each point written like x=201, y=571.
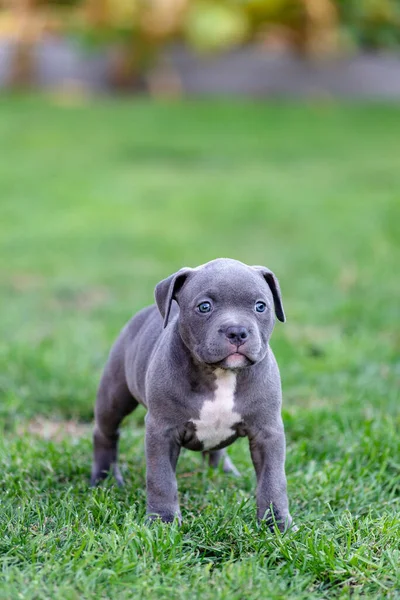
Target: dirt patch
x=348, y=278
x=55, y=430
x=23, y=282
x=84, y=301
x=313, y=334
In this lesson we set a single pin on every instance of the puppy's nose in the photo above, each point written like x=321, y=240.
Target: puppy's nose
x=237, y=335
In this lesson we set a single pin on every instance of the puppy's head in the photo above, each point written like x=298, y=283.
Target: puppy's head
x=226, y=311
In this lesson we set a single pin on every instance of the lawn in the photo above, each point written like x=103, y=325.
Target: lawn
x=99, y=201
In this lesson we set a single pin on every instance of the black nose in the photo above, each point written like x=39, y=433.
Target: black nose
x=236, y=335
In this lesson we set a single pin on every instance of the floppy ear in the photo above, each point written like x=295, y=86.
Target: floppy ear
x=166, y=291
x=275, y=289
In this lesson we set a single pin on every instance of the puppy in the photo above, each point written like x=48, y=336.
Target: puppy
x=200, y=362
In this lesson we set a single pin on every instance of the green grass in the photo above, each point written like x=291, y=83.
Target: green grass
x=99, y=202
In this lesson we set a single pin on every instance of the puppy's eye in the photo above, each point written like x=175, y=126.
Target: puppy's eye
x=204, y=307
x=260, y=307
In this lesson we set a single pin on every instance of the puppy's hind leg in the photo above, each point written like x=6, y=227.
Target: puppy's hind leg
x=215, y=457
x=114, y=402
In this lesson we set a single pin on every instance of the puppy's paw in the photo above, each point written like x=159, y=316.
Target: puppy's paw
x=99, y=474
x=289, y=525
x=273, y=518
x=118, y=477
x=229, y=467
x=164, y=516
x=293, y=527
x=215, y=457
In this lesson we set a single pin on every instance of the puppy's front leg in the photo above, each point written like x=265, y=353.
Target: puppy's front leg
x=267, y=447
x=162, y=452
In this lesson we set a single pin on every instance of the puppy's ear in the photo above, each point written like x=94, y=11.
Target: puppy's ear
x=167, y=289
x=275, y=289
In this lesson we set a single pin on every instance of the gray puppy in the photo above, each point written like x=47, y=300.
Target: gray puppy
x=206, y=374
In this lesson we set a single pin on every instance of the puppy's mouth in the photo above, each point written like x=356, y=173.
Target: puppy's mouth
x=236, y=360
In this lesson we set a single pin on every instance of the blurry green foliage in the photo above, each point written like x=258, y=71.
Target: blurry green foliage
x=371, y=24
x=139, y=28
x=214, y=25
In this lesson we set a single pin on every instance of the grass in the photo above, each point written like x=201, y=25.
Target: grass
x=98, y=202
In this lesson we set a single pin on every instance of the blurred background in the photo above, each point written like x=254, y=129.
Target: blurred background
x=175, y=47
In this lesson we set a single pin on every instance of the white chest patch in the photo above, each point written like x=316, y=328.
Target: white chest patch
x=217, y=415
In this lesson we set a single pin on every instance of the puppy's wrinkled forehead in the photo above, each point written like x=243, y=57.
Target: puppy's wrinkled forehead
x=227, y=280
